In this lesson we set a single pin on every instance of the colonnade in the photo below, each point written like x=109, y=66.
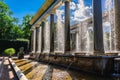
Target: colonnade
x=37, y=39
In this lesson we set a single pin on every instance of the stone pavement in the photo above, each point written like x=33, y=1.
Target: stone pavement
x=6, y=71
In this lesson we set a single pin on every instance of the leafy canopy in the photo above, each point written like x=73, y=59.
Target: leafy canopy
x=9, y=27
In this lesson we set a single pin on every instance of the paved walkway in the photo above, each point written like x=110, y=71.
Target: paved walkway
x=6, y=71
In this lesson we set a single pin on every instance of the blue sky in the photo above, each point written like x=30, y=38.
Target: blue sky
x=22, y=7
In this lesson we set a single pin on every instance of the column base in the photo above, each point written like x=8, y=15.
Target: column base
x=32, y=55
x=45, y=52
x=38, y=52
x=61, y=52
x=96, y=53
x=33, y=52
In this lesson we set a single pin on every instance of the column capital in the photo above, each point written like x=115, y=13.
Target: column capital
x=66, y=0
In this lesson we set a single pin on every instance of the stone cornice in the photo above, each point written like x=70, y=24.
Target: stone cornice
x=41, y=10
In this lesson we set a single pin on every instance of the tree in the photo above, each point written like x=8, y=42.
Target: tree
x=7, y=22
x=4, y=18
x=26, y=26
x=9, y=27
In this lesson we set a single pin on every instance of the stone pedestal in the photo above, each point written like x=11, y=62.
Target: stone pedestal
x=98, y=29
x=117, y=24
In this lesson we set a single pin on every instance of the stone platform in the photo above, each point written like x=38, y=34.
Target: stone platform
x=101, y=65
x=34, y=70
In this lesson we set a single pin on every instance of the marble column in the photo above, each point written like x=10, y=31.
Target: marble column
x=52, y=32
x=42, y=35
x=117, y=24
x=34, y=41
x=67, y=25
x=98, y=29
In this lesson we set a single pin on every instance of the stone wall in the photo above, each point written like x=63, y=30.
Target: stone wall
x=102, y=65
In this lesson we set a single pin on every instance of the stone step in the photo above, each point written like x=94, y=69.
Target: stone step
x=27, y=66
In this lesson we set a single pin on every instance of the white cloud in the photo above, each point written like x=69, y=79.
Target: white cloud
x=87, y=11
x=81, y=12
x=72, y=6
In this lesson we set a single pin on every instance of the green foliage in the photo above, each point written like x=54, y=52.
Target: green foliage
x=8, y=24
x=9, y=51
x=26, y=26
x=9, y=27
x=16, y=44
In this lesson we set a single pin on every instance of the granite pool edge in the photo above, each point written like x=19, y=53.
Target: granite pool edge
x=18, y=72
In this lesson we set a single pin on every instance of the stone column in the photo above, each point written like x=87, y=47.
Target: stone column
x=52, y=32
x=42, y=36
x=117, y=24
x=34, y=41
x=37, y=40
x=67, y=25
x=31, y=41
x=77, y=42
x=98, y=29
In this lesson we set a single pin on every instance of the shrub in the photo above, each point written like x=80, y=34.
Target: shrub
x=16, y=44
x=9, y=51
